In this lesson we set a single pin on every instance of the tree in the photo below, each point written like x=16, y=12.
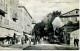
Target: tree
x=38, y=31
x=56, y=13
x=49, y=24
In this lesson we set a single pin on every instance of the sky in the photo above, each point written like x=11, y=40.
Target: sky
x=38, y=9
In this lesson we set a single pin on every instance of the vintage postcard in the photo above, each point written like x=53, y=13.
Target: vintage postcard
x=39, y=25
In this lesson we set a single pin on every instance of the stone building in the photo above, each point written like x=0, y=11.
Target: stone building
x=72, y=16
x=71, y=25
x=13, y=19
x=26, y=20
x=2, y=14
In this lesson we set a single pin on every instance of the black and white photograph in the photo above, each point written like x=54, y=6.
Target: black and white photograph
x=39, y=25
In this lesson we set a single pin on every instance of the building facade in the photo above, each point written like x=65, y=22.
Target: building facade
x=13, y=19
x=26, y=19
x=72, y=16
x=71, y=25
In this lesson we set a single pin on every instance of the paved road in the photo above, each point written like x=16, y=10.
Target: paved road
x=49, y=47
x=46, y=46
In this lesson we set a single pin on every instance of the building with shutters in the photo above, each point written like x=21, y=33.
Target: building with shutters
x=14, y=19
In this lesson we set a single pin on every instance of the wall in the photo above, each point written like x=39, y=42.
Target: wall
x=72, y=19
x=74, y=34
x=23, y=21
x=71, y=16
x=26, y=20
x=11, y=7
x=3, y=5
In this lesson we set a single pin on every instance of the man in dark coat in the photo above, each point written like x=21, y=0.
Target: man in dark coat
x=77, y=42
x=74, y=42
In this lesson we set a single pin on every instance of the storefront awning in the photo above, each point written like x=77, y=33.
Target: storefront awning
x=30, y=36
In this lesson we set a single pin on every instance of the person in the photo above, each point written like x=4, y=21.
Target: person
x=14, y=38
x=77, y=42
x=74, y=42
x=22, y=40
x=26, y=38
x=3, y=41
x=68, y=41
x=11, y=41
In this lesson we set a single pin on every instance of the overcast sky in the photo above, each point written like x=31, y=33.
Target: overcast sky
x=40, y=8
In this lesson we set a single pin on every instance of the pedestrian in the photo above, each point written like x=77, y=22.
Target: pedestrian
x=22, y=41
x=11, y=41
x=77, y=42
x=3, y=42
x=25, y=39
x=68, y=42
x=74, y=42
x=29, y=41
x=14, y=38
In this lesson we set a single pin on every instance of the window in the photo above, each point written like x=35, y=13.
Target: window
x=2, y=13
x=6, y=7
x=69, y=12
x=76, y=11
x=14, y=19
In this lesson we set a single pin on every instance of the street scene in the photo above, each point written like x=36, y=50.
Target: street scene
x=39, y=25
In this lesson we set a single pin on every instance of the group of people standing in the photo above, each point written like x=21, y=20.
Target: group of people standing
x=76, y=42
x=24, y=39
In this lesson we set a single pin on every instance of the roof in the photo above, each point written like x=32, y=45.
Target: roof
x=26, y=10
x=70, y=15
